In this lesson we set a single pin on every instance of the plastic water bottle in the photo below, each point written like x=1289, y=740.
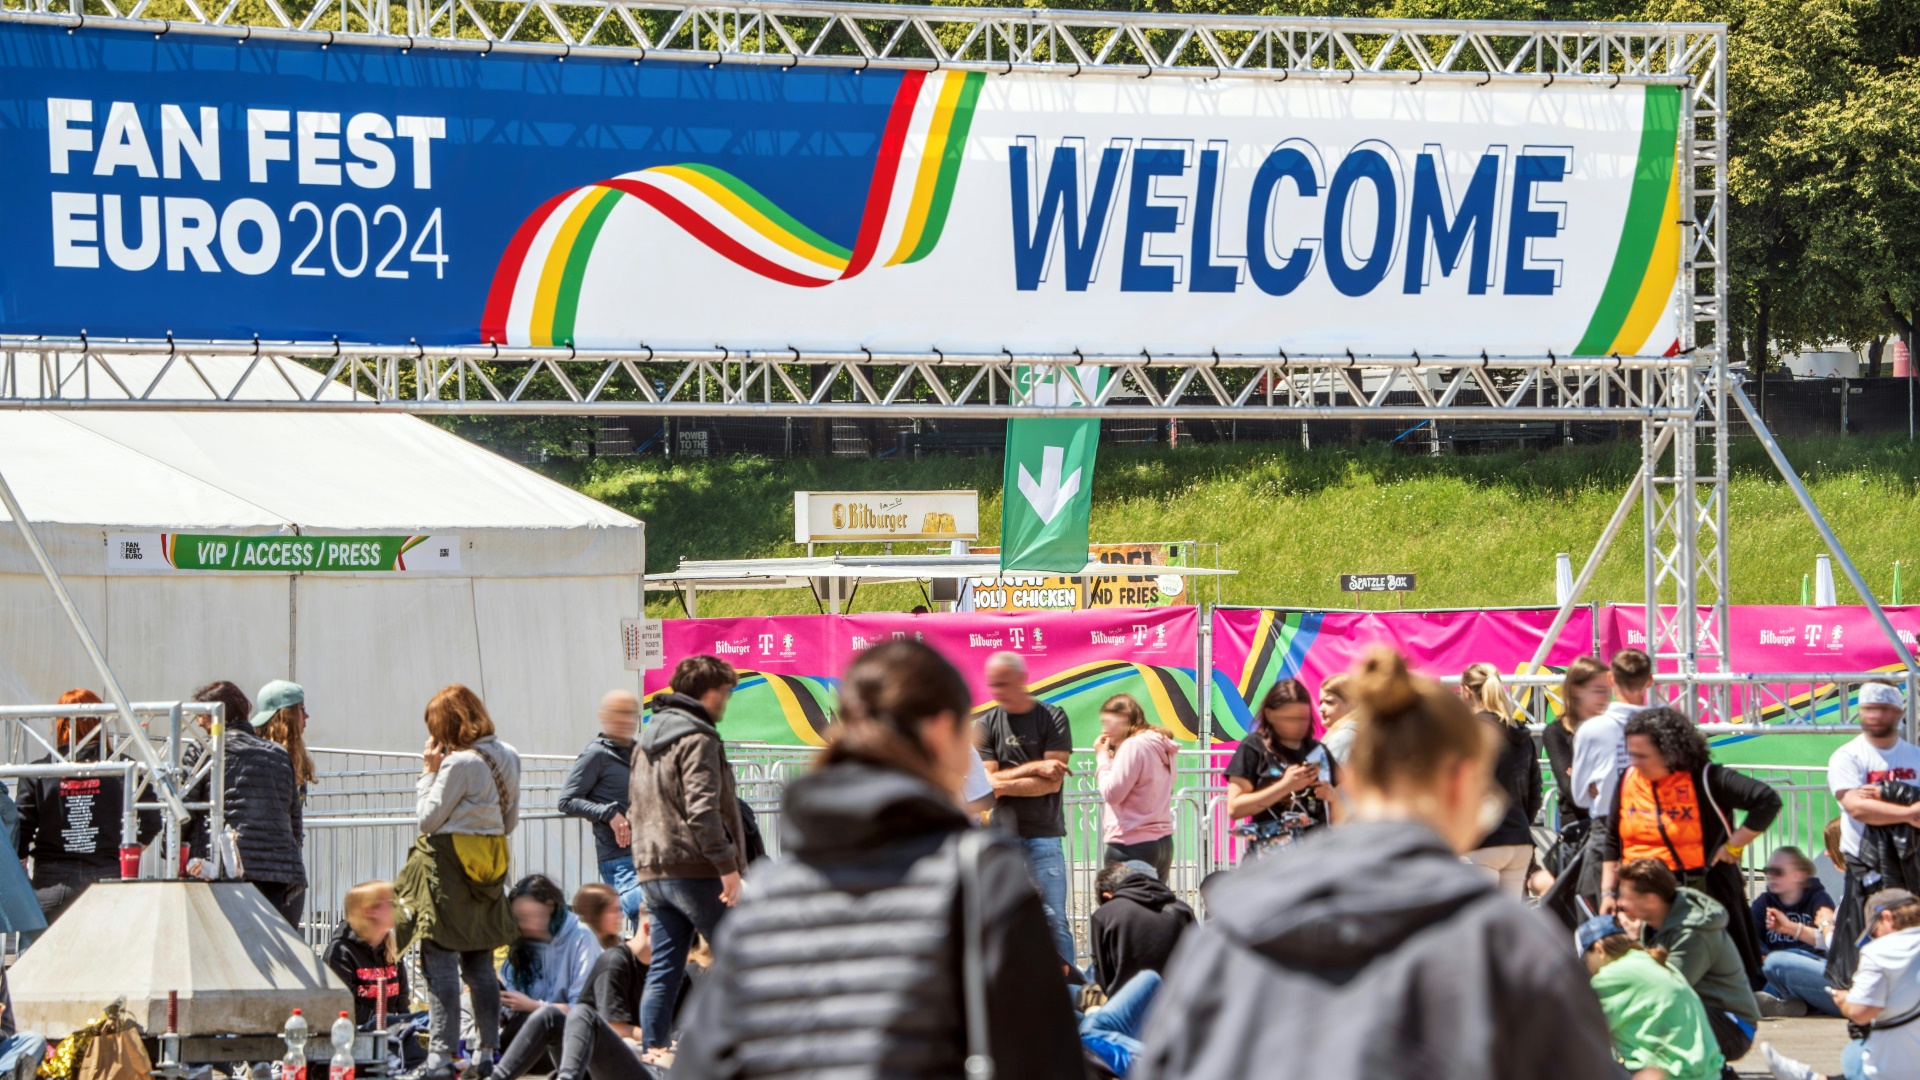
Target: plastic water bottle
x=342, y=1065
x=294, y=1067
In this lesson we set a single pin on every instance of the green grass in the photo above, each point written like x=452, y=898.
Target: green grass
x=1480, y=531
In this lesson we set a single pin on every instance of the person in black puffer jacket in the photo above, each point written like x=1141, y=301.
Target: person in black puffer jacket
x=1507, y=852
x=262, y=808
x=846, y=955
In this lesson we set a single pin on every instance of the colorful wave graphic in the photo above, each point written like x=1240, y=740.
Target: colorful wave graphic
x=1646, y=266
x=535, y=297
x=763, y=701
x=1170, y=695
x=1281, y=641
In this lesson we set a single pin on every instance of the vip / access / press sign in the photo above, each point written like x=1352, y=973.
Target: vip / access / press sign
x=223, y=189
x=228, y=553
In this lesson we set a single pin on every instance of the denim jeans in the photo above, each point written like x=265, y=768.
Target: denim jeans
x=1112, y=1033
x=676, y=909
x=22, y=1055
x=618, y=872
x=1047, y=865
x=1795, y=975
x=1853, y=1060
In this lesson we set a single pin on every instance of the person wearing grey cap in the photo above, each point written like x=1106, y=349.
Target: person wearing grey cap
x=1876, y=778
x=280, y=717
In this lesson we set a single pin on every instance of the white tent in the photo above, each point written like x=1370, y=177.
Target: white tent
x=525, y=608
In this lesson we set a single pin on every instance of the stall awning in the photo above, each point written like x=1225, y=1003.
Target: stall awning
x=800, y=572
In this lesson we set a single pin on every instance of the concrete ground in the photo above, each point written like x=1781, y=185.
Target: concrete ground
x=1814, y=1040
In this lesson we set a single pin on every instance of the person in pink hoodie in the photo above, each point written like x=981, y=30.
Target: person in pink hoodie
x=1134, y=766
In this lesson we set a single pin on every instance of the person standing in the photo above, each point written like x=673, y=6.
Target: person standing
x=1600, y=753
x=1133, y=764
x=853, y=954
x=1675, y=806
x=1024, y=744
x=263, y=810
x=1693, y=928
x=280, y=717
x=596, y=789
x=1585, y=692
x=1791, y=917
x=1336, y=717
x=70, y=825
x=1506, y=852
x=1279, y=773
x=689, y=843
x=1371, y=950
x=1862, y=775
x=452, y=890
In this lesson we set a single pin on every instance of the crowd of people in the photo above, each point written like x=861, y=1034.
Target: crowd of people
x=1392, y=908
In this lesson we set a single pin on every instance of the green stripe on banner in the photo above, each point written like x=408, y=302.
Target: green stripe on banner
x=566, y=306
x=1659, y=129
x=764, y=205
x=950, y=158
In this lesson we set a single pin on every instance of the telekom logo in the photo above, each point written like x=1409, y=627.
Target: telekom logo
x=766, y=644
x=1019, y=636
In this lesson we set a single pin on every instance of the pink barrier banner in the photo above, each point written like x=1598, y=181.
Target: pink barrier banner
x=1253, y=647
x=1769, y=638
x=791, y=665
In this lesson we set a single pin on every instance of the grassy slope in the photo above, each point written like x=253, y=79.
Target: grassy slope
x=1479, y=530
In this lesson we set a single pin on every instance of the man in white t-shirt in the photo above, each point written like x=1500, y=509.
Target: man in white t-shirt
x=1600, y=755
x=1885, y=999
x=976, y=791
x=1855, y=773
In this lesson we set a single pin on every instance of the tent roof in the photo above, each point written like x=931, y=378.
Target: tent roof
x=796, y=573
x=260, y=472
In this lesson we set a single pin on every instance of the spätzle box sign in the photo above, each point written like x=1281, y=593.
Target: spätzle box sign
x=868, y=516
x=164, y=552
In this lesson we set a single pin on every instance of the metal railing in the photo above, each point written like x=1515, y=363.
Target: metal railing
x=1768, y=703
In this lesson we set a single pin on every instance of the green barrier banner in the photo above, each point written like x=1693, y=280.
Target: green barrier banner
x=161, y=552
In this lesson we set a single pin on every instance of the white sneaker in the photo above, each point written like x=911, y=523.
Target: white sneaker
x=1785, y=1068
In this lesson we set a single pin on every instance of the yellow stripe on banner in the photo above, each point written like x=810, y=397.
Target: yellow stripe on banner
x=1650, y=303
x=750, y=217
x=929, y=179
x=1163, y=704
x=1260, y=632
x=547, y=297
x=796, y=717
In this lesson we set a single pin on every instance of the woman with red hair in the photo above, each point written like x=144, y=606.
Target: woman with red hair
x=70, y=825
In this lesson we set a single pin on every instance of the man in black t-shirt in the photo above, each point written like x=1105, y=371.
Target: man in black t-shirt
x=1024, y=744
x=601, y=1037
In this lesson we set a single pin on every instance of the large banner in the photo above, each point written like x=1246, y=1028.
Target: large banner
x=790, y=666
x=1254, y=647
x=219, y=188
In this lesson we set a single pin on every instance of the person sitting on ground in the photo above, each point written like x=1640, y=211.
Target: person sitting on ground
x=1692, y=927
x=361, y=952
x=1112, y=1032
x=591, y=1034
x=1674, y=805
x=21, y=1052
x=1660, y=1029
x=1371, y=950
x=1790, y=917
x=1133, y=765
x=1136, y=925
x=548, y=963
x=1884, y=999
x=847, y=956
x=596, y=789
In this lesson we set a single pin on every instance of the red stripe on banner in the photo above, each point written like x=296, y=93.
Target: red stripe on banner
x=698, y=227
x=493, y=322
x=885, y=168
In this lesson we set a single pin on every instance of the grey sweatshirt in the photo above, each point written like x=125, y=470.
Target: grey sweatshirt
x=461, y=797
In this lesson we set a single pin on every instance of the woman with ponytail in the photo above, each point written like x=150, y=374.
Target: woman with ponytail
x=1506, y=852
x=1659, y=1026
x=848, y=954
x=1371, y=950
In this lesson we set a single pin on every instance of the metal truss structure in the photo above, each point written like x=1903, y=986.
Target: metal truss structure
x=1682, y=403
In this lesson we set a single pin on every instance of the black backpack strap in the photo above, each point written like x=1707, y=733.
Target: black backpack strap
x=973, y=954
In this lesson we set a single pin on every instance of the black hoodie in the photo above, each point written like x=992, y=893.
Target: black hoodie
x=1371, y=952
x=1136, y=930
x=844, y=956
x=361, y=967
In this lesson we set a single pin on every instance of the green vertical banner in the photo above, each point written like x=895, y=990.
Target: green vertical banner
x=1047, y=494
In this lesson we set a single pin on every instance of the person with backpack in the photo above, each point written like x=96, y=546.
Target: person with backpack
x=452, y=890
x=890, y=937
x=1371, y=950
x=1506, y=853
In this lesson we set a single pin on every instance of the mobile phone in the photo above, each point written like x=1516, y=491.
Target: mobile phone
x=1319, y=758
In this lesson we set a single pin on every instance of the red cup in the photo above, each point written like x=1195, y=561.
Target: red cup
x=129, y=861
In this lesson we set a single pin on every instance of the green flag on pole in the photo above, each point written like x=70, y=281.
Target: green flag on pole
x=1048, y=495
